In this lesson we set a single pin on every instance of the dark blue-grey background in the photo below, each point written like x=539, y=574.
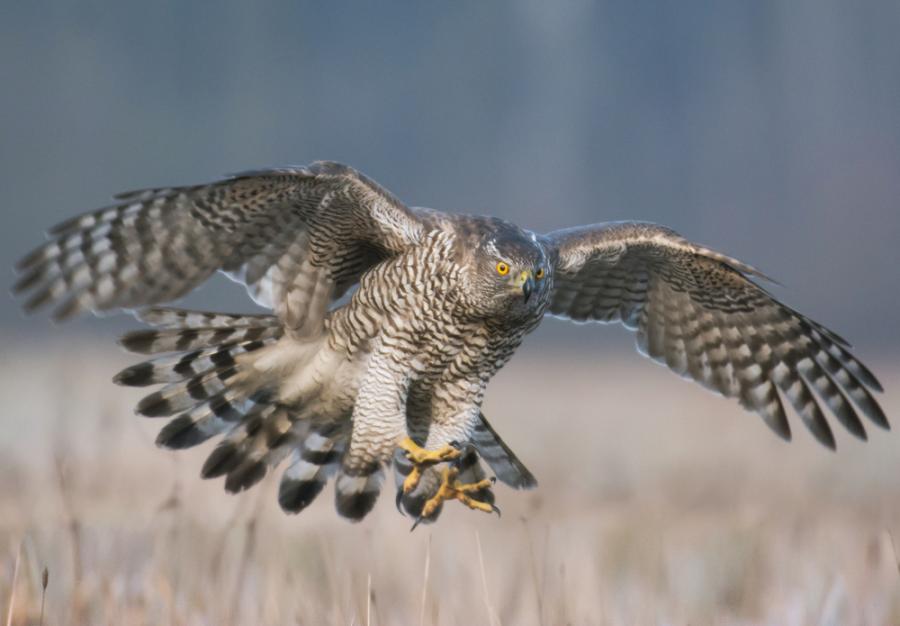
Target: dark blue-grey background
x=769, y=130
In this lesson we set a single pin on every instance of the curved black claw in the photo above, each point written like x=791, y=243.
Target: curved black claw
x=398, y=501
x=416, y=523
x=496, y=509
x=493, y=480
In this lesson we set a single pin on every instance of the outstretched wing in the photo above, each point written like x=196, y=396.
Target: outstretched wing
x=297, y=237
x=697, y=312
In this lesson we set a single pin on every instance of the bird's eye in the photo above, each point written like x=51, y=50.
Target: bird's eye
x=502, y=268
x=540, y=273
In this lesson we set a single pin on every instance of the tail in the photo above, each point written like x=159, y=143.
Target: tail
x=355, y=493
x=315, y=460
x=206, y=395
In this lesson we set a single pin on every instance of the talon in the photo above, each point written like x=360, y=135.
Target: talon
x=446, y=491
x=412, y=479
x=475, y=504
x=397, y=502
x=497, y=510
x=416, y=523
x=481, y=484
x=452, y=489
x=422, y=458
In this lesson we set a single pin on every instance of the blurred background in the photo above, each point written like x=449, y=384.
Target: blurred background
x=768, y=130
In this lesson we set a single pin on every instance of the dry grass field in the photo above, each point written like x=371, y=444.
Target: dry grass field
x=659, y=504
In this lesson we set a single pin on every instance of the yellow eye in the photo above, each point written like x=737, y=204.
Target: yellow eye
x=540, y=273
x=502, y=268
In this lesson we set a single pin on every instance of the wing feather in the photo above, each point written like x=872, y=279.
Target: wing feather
x=296, y=237
x=699, y=313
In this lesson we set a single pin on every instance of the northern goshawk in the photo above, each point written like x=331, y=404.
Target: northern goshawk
x=397, y=372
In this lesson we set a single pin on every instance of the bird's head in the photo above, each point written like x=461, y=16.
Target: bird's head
x=512, y=273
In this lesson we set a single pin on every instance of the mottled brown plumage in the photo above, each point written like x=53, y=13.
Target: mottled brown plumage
x=442, y=302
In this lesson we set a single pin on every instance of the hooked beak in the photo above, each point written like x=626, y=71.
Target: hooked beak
x=526, y=282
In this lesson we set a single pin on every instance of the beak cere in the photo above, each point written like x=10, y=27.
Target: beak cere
x=527, y=285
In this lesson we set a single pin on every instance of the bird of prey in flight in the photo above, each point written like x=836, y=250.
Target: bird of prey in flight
x=395, y=374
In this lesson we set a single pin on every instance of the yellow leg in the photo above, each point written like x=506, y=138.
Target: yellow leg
x=452, y=489
x=422, y=458
x=412, y=479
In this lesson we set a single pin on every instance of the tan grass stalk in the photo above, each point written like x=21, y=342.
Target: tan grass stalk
x=425, y=582
x=12, y=589
x=369, y=599
x=493, y=618
x=243, y=566
x=894, y=548
x=535, y=578
x=45, y=578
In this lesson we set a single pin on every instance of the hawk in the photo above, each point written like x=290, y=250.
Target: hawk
x=394, y=374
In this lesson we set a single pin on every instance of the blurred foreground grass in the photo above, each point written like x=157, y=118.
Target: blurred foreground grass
x=658, y=504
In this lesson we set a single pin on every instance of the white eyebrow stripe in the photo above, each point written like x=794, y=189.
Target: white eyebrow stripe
x=492, y=247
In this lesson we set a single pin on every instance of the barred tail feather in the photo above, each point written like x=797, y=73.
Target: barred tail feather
x=312, y=464
x=179, y=330
x=258, y=444
x=186, y=339
x=167, y=317
x=501, y=459
x=178, y=367
x=201, y=423
x=202, y=393
x=355, y=494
